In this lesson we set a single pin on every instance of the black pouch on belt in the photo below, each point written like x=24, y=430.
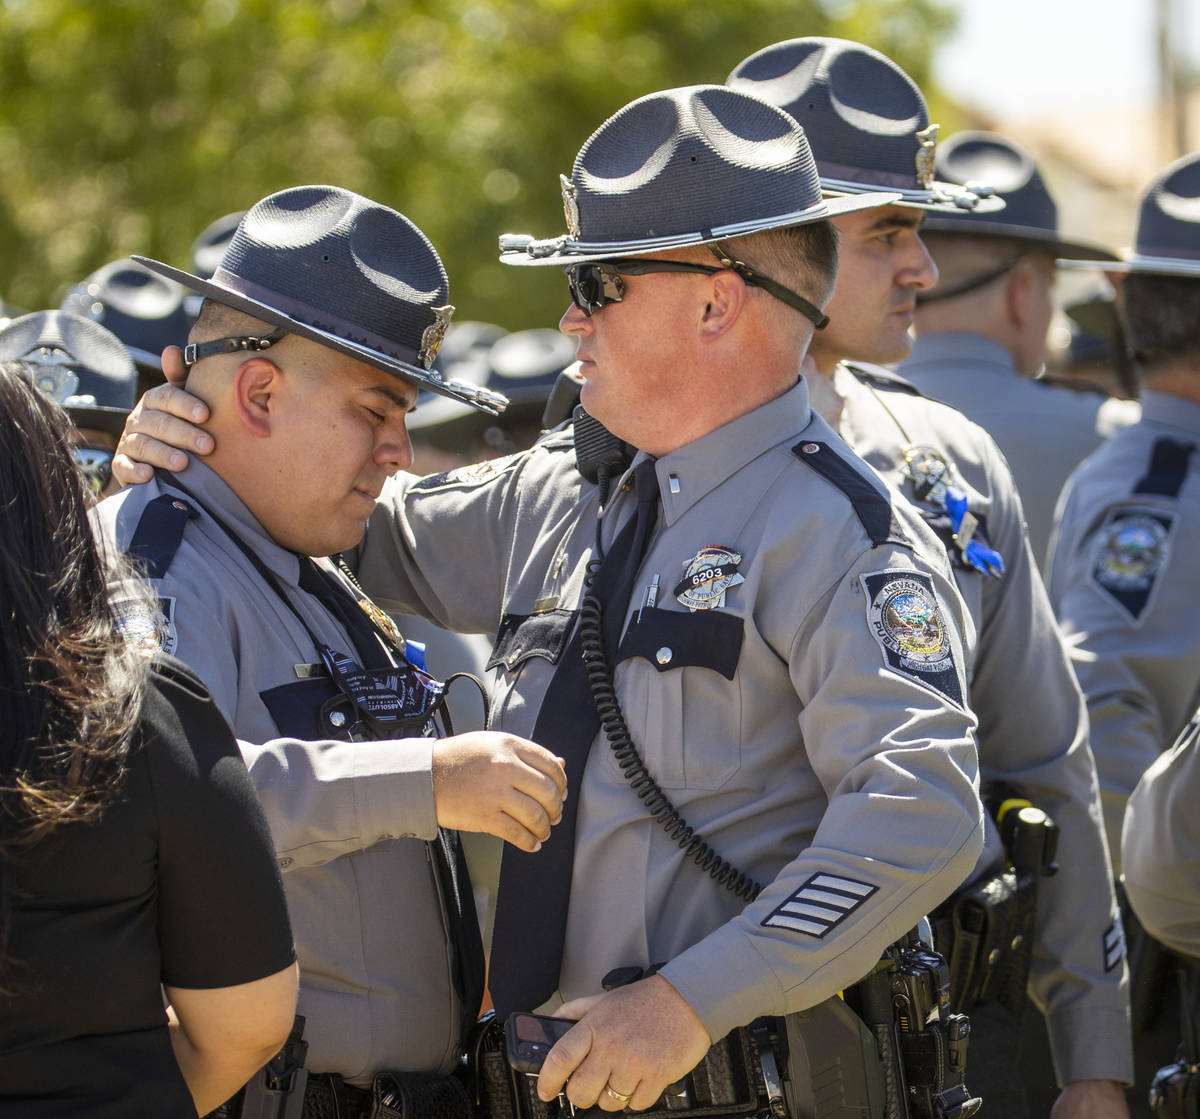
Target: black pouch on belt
x=414, y=1095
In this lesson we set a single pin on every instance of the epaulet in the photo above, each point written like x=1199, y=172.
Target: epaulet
x=159, y=533
x=1168, y=468
x=558, y=438
x=880, y=378
x=1076, y=384
x=872, y=508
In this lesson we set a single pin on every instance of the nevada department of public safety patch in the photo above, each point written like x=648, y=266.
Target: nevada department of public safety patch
x=906, y=619
x=149, y=631
x=1133, y=547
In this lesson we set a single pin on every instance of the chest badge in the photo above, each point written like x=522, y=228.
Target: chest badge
x=382, y=622
x=932, y=479
x=707, y=576
x=929, y=473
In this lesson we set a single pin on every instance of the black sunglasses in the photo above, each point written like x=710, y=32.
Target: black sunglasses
x=598, y=283
x=96, y=466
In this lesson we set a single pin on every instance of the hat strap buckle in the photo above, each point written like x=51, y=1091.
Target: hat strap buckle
x=194, y=351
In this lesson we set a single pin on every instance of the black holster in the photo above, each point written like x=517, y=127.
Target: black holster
x=276, y=1091
x=1175, y=1090
x=986, y=930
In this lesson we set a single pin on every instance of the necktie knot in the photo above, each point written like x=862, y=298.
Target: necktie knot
x=645, y=481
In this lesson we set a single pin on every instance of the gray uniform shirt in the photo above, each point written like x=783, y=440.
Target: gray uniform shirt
x=1160, y=845
x=782, y=721
x=371, y=935
x=1125, y=583
x=1032, y=719
x=1044, y=431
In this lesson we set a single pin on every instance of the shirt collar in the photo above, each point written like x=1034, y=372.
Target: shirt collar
x=1171, y=410
x=687, y=475
x=957, y=347
x=218, y=499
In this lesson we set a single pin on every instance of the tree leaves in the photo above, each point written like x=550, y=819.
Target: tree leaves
x=129, y=125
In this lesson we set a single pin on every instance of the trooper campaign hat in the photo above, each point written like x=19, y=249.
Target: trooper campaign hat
x=691, y=166
x=77, y=363
x=340, y=270
x=144, y=310
x=1168, y=233
x=865, y=118
x=209, y=248
x=1029, y=213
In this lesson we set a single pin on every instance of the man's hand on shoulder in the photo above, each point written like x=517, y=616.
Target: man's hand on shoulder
x=1089, y=1099
x=631, y=1042
x=487, y=781
x=161, y=427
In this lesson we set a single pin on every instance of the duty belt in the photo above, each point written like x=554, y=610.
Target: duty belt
x=392, y=1095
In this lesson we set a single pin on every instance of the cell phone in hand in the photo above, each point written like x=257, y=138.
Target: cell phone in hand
x=530, y=1037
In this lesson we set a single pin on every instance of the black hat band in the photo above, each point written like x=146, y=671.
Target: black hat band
x=311, y=317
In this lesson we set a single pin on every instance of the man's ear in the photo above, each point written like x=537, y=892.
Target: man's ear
x=255, y=385
x=727, y=297
x=1018, y=293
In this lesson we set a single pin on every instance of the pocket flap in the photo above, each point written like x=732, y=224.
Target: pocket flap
x=671, y=639
x=522, y=636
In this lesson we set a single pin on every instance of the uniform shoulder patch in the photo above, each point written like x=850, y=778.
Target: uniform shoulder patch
x=1132, y=548
x=149, y=630
x=880, y=378
x=906, y=620
x=820, y=905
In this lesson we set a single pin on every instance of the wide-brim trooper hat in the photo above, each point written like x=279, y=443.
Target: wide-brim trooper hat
x=208, y=250
x=1168, y=233
x=865, y=118
x=144, y=310
x=689, y=166
x=348, y=273
x=77, y=363
x=1029, y=213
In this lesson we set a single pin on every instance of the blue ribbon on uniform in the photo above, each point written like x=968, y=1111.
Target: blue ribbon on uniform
x=976, y=553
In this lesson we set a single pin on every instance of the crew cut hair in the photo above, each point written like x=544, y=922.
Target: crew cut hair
x=1161, y=315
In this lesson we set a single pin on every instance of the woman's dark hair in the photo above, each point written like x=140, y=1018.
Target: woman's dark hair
x=70, y=685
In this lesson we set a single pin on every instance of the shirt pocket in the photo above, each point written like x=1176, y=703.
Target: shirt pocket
x=296, y=709
x=527, y=651
x=686, y=715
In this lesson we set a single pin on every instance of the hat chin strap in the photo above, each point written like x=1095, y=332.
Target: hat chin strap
x=973, y=284
x=785, y=295
x=195, y=351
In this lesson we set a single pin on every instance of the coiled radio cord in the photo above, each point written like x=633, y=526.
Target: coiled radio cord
x=616, y=730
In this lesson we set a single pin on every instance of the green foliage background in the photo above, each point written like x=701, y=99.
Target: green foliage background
x=129, y=125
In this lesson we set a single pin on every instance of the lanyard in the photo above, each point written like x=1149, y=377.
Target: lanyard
x=386, y=701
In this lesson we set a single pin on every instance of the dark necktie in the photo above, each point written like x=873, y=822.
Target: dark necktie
x=452, y=878
x=535, y=889
x=341, y=603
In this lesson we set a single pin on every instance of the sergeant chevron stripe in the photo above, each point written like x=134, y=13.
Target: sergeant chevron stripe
x=1114, y=944
x=821, y=904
